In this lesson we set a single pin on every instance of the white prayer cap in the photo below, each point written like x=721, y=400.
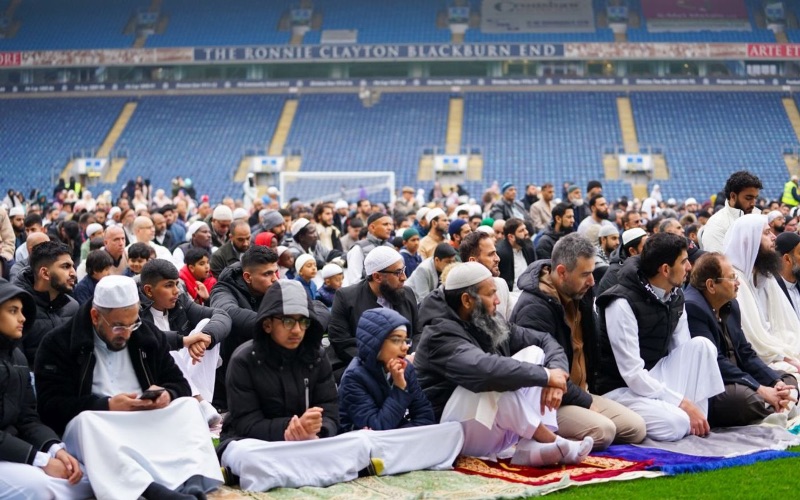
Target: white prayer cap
x=281, y=249
x=16, y=210
x=607, y=230
x=139, y=207
x=422, y=212
x=632, y=234
x=299, y=224
x=459, y=208
x=222, y=212
x=341, y=204
x=240, y=213
x=380, y=258
x=466, y=275
x=114, y=211
x=93, y=229
x=432, y=214
x=331, y=270
x=486, y=229
x=273, y=191
x=115, y=292
x=770, y=216
x=301, y=261
x=193, y=228
x=689, y=201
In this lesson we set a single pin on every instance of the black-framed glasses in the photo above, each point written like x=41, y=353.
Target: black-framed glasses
x=398, y=341
x=734, y=279
x=397, y=273
x=121, y=329
x=289, y=322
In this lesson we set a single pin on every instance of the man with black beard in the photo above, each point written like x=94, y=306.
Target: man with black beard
x=306, y=241
x=776, y=221
x=741, y=192
x=516, y=252
x=500, y=381
x=562, y=223
x=768, y=318
x=598, y=216
x=788, y=246
x=383, y=287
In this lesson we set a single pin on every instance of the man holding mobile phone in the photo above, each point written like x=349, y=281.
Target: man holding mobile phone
x=105, y=362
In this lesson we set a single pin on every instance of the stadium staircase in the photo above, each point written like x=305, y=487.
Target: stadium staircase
x=15, y=23
x=278, y=142
x=115, y=164
x=793, y=114
x=111, y=139
x=780, y=37
x=627, y=125
x=453, y=140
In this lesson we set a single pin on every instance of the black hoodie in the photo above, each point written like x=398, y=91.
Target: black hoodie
x=267, y=384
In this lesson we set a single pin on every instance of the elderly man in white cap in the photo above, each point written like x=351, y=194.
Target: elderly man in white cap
x=197, y=235
x=379, y=230
x=108, y=383
x=768, y=318
x=383, y=287
x=93, y=230
x=495, y=378
x=306, y=241
x=221, y=220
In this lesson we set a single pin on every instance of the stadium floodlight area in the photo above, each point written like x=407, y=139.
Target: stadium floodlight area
x=313, y=187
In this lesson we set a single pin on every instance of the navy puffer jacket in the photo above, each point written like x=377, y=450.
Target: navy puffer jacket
x=366, y=397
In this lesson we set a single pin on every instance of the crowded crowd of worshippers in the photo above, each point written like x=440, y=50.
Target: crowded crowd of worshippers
x=530, y=327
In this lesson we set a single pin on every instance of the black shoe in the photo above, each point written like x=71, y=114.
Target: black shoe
x=230, y=478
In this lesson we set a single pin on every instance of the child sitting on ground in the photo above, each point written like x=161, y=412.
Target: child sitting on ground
x=286, y=263
x=409, y=251
x=306, y=268
x=98, y=265
x=196, y=274
x=139, y=254
x=332, y=275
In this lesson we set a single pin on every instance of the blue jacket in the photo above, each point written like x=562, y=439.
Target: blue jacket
x=310, y=286
x=366, y=397
x=84, y=290
x=325, y=295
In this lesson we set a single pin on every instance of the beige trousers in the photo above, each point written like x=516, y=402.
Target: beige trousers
x=611, y=423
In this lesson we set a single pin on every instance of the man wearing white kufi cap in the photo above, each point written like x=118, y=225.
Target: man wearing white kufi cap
x=198, y=235
x=385, y=269
x=221, y=220
x=493, y=377
x=108, y=382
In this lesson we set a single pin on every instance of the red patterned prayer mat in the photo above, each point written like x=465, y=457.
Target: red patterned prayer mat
x=591, y=468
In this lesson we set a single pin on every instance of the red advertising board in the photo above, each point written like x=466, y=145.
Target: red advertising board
x=10, y=58
x=773, y=50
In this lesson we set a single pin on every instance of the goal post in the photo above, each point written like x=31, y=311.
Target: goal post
x=313, y=187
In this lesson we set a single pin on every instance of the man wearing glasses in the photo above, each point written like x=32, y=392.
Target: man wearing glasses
x=385, y=269
x=753, y=390
x=109, y=384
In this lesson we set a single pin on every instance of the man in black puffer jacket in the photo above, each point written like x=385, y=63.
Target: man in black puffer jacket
x=557, y=298
x=49, y=279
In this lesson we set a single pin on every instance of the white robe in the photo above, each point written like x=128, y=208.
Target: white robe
x=26, y=482
x=264, y=465
x=494, y=421
x=126, y=451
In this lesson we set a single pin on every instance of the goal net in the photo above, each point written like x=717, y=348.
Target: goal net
x=313, y=187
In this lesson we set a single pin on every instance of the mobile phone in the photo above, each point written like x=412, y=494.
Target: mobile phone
x=151, y=394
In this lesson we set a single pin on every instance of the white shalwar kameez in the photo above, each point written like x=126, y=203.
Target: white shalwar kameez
x=494, y=421
x=264, y=465
x=126, y=451
x=689, y=371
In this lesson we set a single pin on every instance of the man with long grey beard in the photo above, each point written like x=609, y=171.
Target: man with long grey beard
x=500, y=381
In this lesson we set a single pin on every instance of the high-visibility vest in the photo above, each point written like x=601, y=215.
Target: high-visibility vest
x=788, y=199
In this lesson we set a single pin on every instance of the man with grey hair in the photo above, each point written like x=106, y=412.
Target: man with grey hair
x=670, y=225
x=102, y=373
x=469, y=358
x=557, y=298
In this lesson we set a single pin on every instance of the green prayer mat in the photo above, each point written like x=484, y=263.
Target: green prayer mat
x=413, y=485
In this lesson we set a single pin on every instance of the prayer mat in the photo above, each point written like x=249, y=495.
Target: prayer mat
x=413, y=485
x=593, y=468
x=672, y=463
x=729, y=442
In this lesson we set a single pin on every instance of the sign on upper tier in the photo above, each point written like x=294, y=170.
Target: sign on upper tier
x=399, y=52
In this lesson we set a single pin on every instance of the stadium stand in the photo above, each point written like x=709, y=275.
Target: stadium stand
x=39, y=135
x=55, y=24
x=543, y=136
x=234, y=22
x=200, y=137
x=337, y=133
x=707, y=135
